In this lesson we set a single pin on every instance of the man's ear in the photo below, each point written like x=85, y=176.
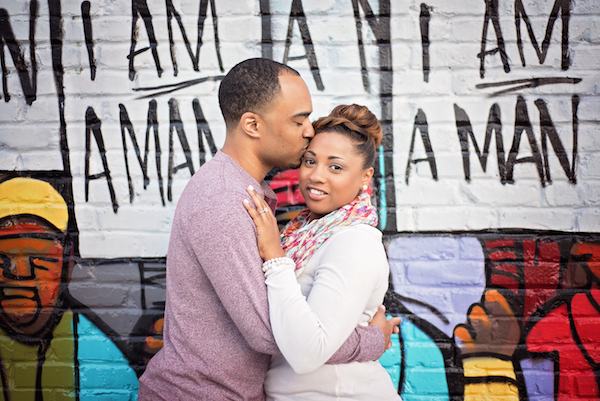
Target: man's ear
x=250, y=123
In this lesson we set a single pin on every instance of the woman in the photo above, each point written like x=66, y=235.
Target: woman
x=335, y=273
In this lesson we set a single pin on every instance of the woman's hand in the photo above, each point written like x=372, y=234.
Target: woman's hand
x=269, y=246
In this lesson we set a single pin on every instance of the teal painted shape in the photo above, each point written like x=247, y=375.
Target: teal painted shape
x=382, y=191
x=104, y=372
x=425, y=373
x=391, y=360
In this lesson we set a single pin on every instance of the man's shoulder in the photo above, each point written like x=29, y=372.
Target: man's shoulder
x=216, y=178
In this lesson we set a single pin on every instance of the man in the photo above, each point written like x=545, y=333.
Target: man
x=49, y=348
x=217, y=335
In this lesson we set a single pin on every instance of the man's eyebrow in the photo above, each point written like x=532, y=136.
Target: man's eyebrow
x=304, y=114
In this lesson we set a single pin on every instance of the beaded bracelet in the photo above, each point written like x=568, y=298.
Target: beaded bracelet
x=271, y=263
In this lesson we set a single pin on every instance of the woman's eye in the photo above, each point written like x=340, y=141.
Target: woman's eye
x=336, y=167
x=309, y=162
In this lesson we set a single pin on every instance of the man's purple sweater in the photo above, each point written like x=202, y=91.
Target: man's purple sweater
x=217, y=335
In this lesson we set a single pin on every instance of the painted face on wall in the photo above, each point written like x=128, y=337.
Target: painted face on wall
x=31, y=259
x=33, y=222
x=331, y=174
x=583, y=265
x=287, y=127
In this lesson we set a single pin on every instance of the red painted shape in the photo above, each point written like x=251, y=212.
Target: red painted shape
x=502, y=255
x=285, y=185
x=498, y=243
x=541, y=267
x=553, y=334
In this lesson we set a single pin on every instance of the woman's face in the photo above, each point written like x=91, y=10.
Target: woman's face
x=331, y=173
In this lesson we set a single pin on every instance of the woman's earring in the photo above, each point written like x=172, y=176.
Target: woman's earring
x=365, y=187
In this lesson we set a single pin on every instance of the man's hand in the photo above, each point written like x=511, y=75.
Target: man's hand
x=387, y=326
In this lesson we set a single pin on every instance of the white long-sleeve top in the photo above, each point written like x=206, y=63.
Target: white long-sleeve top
x=311, y=316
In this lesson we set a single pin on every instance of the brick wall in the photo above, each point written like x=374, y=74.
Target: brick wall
x=487, y=183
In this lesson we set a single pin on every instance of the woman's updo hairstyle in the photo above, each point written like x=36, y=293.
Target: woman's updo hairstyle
x=358, y=123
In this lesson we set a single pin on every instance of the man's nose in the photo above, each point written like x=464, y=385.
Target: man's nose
x=309, y=131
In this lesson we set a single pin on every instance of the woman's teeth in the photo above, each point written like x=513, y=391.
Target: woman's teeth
x=316, y=191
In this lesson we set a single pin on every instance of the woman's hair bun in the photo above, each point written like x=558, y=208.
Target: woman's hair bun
x=362, y=117
x=358, y=123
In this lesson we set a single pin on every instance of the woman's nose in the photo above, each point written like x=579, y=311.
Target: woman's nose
x=316, y=174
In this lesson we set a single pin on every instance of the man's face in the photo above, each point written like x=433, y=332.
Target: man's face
x=29, y=282
x=287, y=129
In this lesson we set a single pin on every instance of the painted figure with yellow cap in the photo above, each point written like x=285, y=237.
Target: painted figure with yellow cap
x=45, y=339
x=33, y=228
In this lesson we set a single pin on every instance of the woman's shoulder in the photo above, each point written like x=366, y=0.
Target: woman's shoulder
x=354, y=239
x=360, y=231
x=354, y=246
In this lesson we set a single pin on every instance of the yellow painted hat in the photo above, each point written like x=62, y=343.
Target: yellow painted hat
x=30, y=196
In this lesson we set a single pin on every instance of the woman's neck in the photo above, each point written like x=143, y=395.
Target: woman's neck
x=313, y=216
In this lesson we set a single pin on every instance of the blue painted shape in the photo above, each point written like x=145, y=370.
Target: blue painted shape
x=391, y=359
x=104, y=372
x=455, y=267
x=425, y=374
x=539, y=378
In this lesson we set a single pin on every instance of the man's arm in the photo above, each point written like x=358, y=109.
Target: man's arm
x=230, y=259
x=232, y=263
x=367, y=343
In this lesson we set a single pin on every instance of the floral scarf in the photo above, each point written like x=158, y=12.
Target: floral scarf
x=301, y=238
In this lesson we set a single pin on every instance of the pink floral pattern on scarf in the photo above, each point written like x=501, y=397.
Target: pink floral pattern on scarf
x=301, y=238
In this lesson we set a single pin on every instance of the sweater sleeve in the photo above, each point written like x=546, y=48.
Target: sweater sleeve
x=309, y=330
x=230, y=259
x=366, y=343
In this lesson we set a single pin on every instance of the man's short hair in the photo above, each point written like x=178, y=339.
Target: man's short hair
x=250, y=86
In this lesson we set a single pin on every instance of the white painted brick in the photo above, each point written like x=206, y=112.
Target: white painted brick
x=562, y=194
x=589, y=166
x=588, y=220
x=586, y=8
x=542, y=219
x=427, y=218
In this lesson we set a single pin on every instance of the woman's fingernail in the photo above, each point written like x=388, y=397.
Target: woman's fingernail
x=250, y=187
x=246, y=201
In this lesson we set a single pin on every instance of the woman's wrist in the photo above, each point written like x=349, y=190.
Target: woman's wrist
x=277, y=263
x=278, y=253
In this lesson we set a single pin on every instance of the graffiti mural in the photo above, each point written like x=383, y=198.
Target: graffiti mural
x=49, y=343
x=521, y=326
x=486, y=182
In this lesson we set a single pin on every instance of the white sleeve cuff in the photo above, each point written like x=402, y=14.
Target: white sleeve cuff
x=277, y=264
